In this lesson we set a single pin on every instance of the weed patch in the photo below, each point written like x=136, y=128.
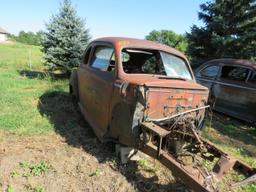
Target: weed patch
x=33, y=169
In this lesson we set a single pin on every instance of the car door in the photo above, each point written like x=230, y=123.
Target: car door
x=84, y=81
x=207, y=75
x=251, y=96
x=230, y=91
x=100, y=77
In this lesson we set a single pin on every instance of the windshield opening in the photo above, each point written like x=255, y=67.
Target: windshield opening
x=144, y=61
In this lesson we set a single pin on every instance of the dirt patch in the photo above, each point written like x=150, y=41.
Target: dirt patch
x=72, y=159
x=92, y=166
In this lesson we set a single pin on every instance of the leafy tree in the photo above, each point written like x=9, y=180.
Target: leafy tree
x=229, y=31
x=65, y=39
x=11, y=37
x=29, y=38
x=169, y=38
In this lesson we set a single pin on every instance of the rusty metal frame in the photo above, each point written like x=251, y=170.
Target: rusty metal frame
x=176, y=168
x=191, y=175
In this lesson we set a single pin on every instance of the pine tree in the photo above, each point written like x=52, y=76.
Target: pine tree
x=65, y=39
x=229, y=31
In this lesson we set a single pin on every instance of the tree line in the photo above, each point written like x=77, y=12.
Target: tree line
x=229, y=31
x=29, y=37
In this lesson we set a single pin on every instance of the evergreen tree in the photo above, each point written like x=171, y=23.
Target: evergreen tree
x=229, y=31
x=169, y=38
x=65, y=39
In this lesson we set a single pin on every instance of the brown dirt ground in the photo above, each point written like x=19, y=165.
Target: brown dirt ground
x=86, y=166
x=77, y=160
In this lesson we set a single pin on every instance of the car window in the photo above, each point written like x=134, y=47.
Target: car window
x=239, y=74
x=125, y=57
x=141, y=61
x=211, y=71
x=147, y=61
x=87, y=55
x=151, y=66
x=175, y=66
x=252, y=78
x=101, y=58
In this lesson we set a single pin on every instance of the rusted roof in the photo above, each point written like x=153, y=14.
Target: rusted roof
x=140, y=43
x=2, y=31
x=243, y=62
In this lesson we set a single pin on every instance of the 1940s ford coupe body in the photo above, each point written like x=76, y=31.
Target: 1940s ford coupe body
x=122, y=82
x=144, y=95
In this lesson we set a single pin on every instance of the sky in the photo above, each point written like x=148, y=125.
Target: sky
x=131, y=18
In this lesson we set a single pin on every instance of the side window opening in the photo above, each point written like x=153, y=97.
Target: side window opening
x=210, y=72
x=112, y=63
x=239, y=74
x=87, y=55
x=102, y=58
x=252, y=78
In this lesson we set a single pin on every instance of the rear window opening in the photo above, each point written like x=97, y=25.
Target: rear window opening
x=252, y=78
x=234, y=73
x=145, y=61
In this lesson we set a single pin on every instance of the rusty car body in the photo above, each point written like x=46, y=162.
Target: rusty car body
x=232, y=85
x=144, y=95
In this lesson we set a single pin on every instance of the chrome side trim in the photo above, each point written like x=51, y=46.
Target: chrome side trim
x=227, y=84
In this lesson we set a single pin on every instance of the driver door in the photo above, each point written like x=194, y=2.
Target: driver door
x=231, y=92
x=101, y=75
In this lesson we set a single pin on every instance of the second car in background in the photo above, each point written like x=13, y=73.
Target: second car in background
x=232, y=85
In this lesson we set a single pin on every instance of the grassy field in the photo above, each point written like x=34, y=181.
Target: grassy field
x=22, y=82
x=234, y=137
x=34, y=106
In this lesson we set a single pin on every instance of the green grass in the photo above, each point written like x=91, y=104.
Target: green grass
x=25, y=86
x=235, y=138
x=232, y=136
x=10, y=189
x=144, y=164
x=22, y=82
x=97, y=173
x=33, y=169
